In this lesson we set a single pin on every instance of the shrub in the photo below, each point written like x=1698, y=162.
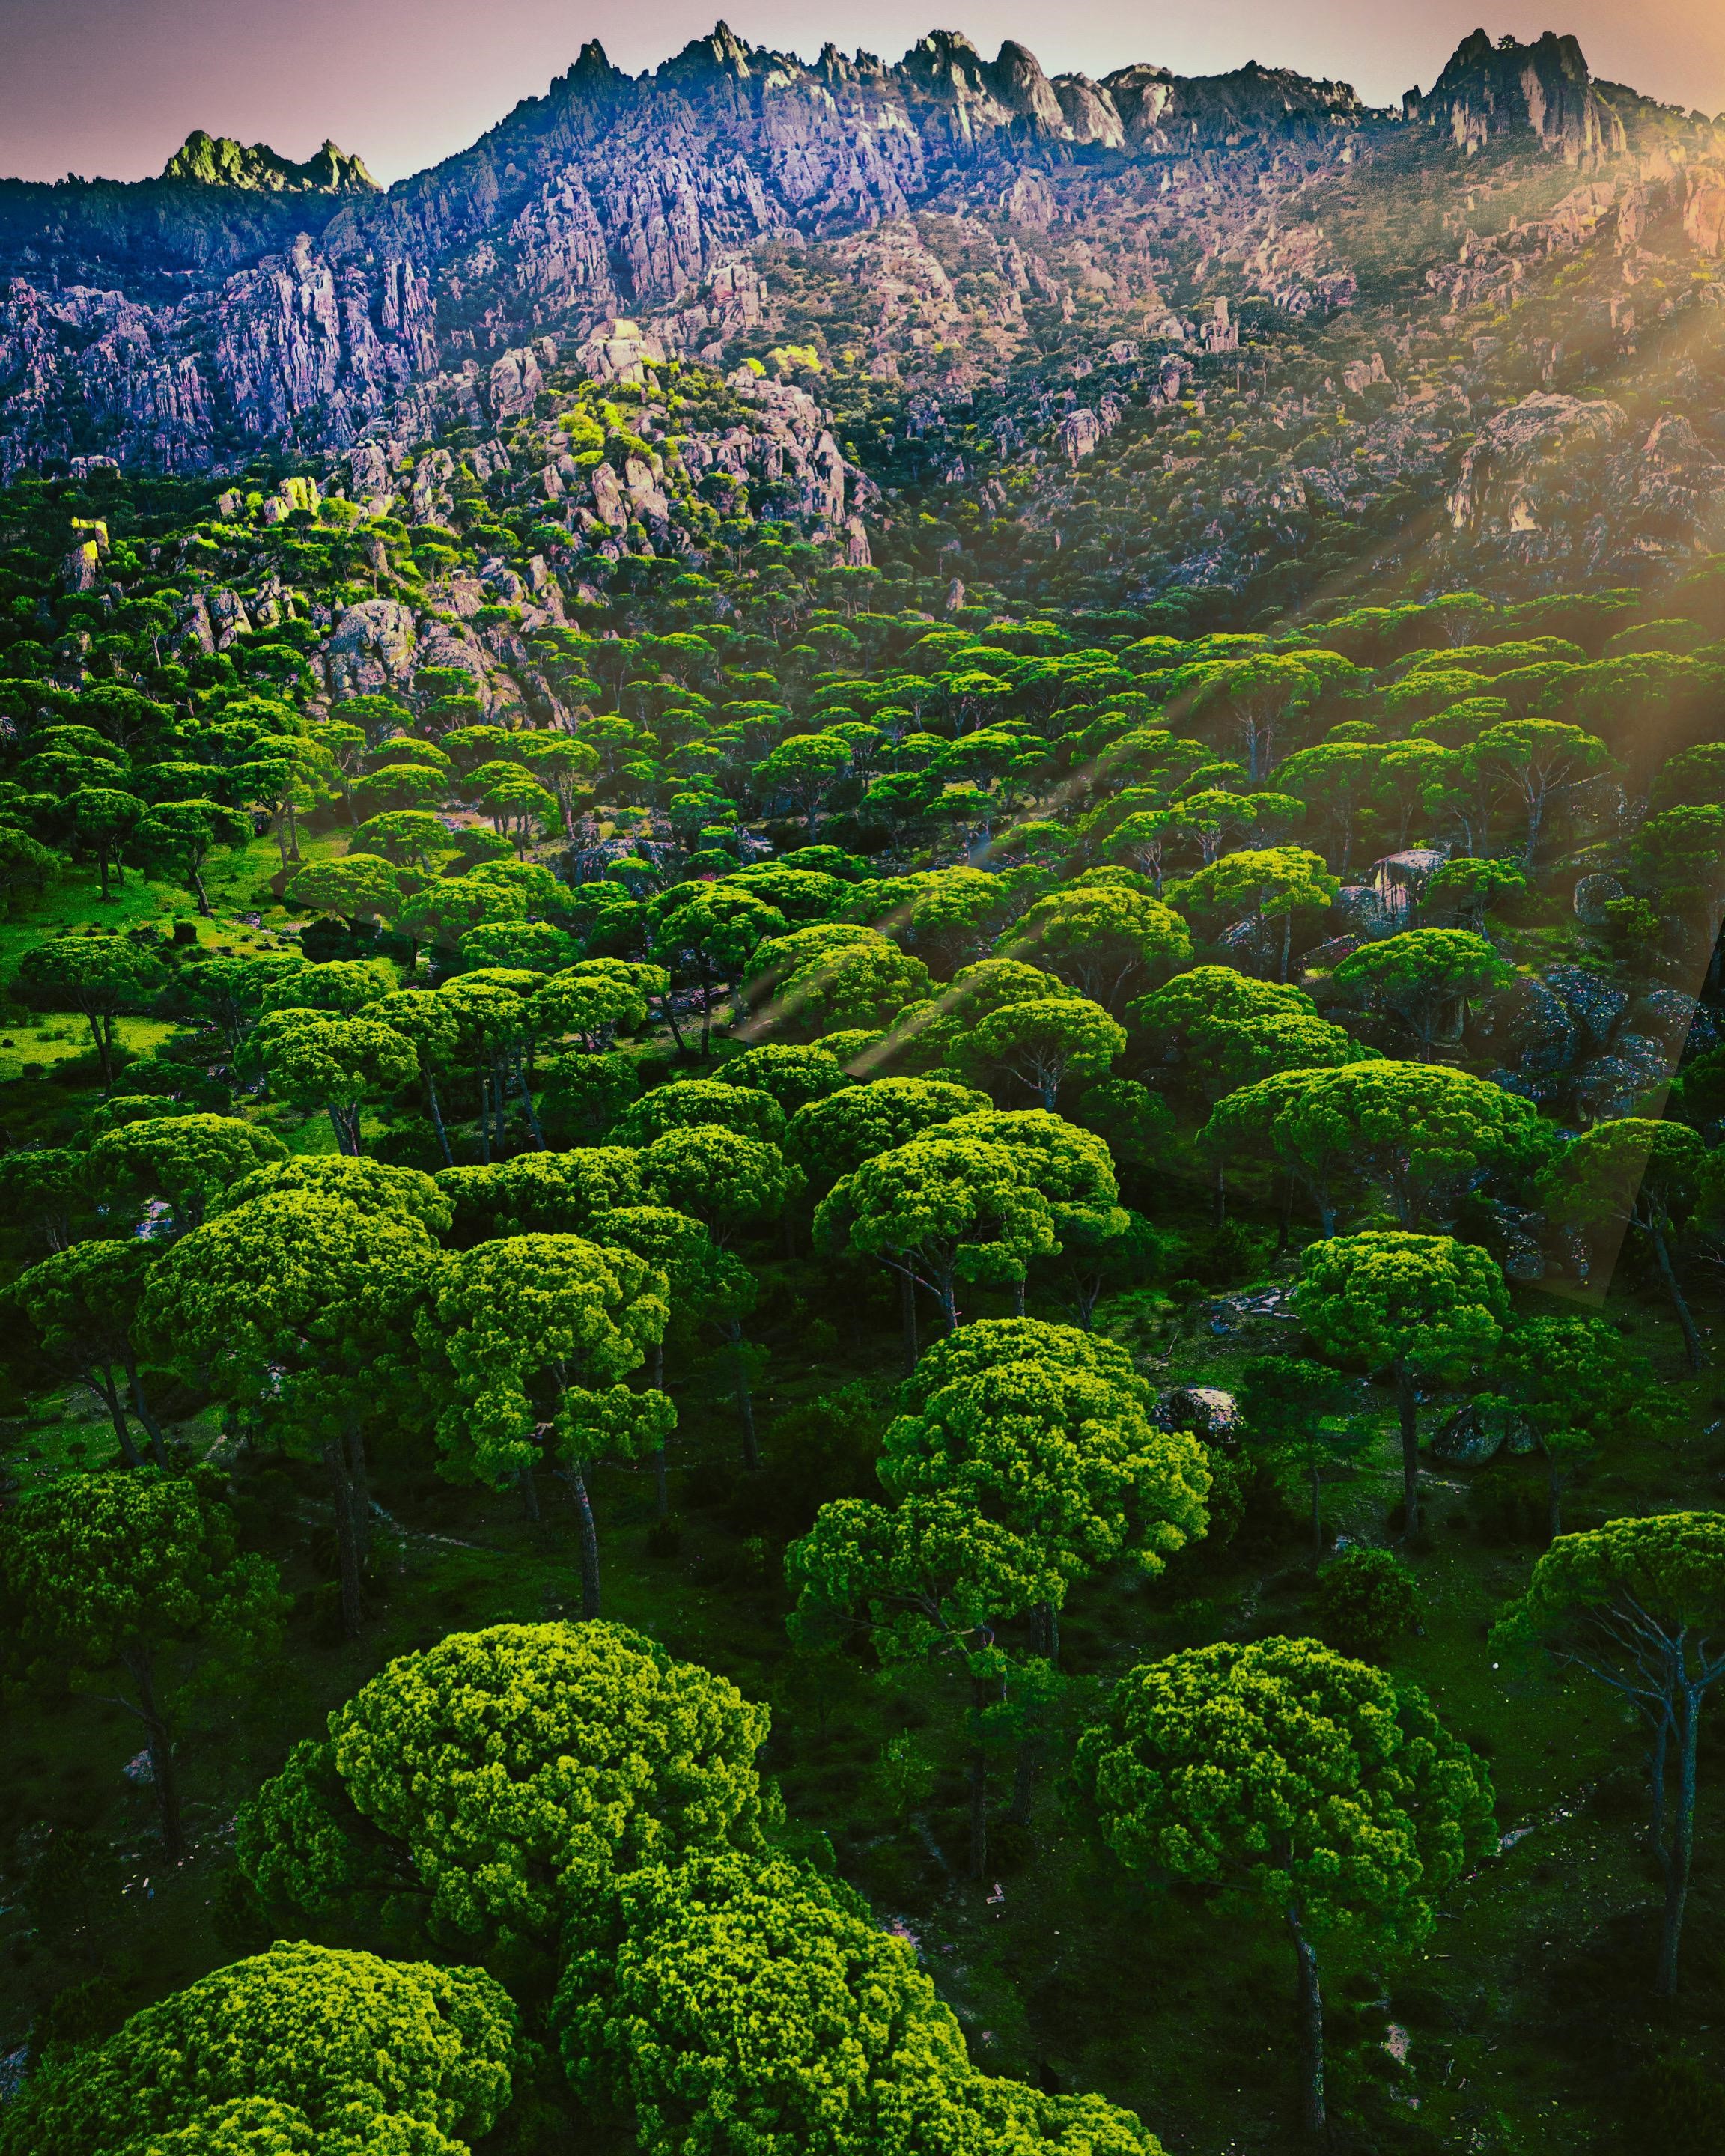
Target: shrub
x=1366, y=1602
x=1681, y=2110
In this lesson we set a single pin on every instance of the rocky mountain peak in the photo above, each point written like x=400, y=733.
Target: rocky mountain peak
x=219, y=161
x=1489, y=90
x=592, y=63
x=719, y=52
x=1021, y=85
x=944, y=59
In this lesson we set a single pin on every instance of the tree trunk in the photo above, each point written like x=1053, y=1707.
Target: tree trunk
x=1317, y=1517
x=1692, y=1338
x=1407, y=1401
x=1658, y=1752
x=532, y=1113
x=1312, y=2029
x=108, y=1392
x=201, y=896
x=104, y=1040
x=141, y=1407
x=500, y=1100
x=661, y=1492
x=1219, y=1195
x=529, y=1494
x=347, y=1548
x=907, y=1317
x=667, y=1004
x=160, y=1746
x=1287, y=941
x=978, y=1784
x=1536, y=804
x=1682, y=1839
x=436, y=1117
x=744, y=1397
x=1018, y=1296
x=575, y=1477
x=360, y=1483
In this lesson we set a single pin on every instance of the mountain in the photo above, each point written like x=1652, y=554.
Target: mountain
x=940, y=226
x=219, y=161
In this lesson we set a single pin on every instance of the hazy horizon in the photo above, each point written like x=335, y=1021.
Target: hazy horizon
x=111, y=88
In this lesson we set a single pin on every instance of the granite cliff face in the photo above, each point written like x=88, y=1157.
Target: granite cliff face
x=240, y=299
x=735, y=192
x=1488, y=92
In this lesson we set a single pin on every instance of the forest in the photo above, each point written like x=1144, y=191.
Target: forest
x=813, y=1350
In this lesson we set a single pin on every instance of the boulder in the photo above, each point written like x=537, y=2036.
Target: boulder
x=1363, y=912
x=1670, y=1015
x=1209, y=1413
x=514, y=382
x=1704, y=208
x=620, y=350
x=431, y=499
x=80, y=570
x=1594, y=1005
x=1618, y=1084
x=193, y=630
x=1360, y=375
x=1327, y=956
x=371, y=650
x=1078, y=434
x=1593, y=895
x=1476, y=1433
x=1532, y=1029
x=608, y=499
x=1399, y=879
x=227, y=617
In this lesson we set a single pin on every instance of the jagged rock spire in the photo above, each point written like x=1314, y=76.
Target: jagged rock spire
x=1546, y=87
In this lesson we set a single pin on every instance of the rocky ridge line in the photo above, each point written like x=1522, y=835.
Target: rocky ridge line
x=137, y=325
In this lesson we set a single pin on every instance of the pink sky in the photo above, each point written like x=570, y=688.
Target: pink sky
x=113, y=87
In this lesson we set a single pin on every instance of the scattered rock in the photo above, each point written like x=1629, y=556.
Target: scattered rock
x=1476, y=1433
x=1594, y=1003
x=1399, y=879
x=1208, y=1413
x=1593, y=895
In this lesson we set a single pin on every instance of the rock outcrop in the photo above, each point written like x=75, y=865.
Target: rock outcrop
x=242, y=298
x=1160, y=111
x=217, y=161
x=1568, y=481
x=1488, y=92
